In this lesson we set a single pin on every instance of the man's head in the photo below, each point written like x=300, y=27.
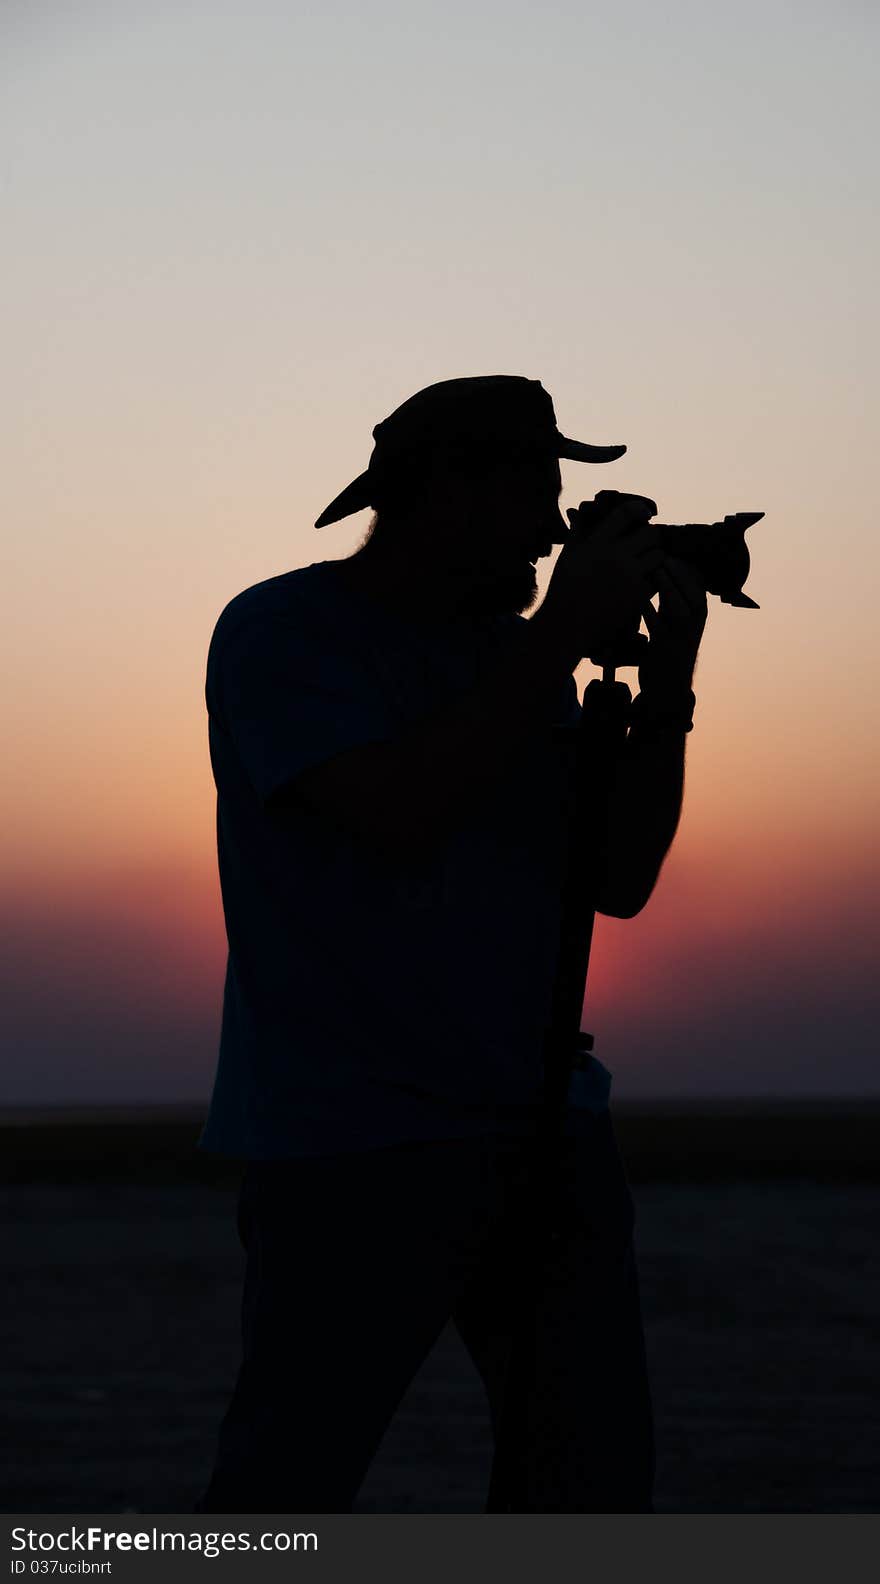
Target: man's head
x=475, y=525
x=465, y=481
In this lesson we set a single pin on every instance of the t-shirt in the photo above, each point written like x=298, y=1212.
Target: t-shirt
x=372, y=999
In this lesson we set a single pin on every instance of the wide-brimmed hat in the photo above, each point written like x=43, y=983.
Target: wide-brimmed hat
x=502, y=414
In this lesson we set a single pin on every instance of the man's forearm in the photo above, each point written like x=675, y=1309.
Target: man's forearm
x=645, y=808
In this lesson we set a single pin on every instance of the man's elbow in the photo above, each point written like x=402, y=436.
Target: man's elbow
x=622, y=907
x=626, y=896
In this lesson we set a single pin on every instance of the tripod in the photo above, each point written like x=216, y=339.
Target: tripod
x=599, y=739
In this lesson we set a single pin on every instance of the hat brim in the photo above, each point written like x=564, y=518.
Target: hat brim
x=579, y=451
x=352, y=499
x=356, y=496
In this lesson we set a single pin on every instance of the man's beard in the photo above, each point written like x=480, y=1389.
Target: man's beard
x=503, y=594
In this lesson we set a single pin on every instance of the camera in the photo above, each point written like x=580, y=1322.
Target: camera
x=717, y=551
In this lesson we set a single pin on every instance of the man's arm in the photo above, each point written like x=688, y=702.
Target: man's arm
x=648, y=783
x=408, y=792
x=645, y=808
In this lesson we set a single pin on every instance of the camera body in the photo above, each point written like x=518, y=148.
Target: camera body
x=717, y=551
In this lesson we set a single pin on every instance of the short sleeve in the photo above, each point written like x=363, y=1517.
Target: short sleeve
x=291, y=695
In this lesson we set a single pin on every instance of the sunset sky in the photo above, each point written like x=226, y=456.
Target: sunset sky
x=237, y=236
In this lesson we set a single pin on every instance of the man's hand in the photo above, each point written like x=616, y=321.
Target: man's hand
x=601, y=581
x=675, y=629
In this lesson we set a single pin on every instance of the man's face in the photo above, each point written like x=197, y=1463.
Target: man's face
x=499, y=528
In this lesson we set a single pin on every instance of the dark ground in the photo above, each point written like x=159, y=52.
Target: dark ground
x=761, y=1298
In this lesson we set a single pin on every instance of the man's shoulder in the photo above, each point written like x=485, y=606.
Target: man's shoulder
x=289, y=596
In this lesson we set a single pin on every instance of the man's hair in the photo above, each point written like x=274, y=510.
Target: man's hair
x=393, y=498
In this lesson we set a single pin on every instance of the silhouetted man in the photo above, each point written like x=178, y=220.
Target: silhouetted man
x=392, y=810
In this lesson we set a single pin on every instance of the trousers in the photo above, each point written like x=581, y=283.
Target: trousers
x=354, y=1265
